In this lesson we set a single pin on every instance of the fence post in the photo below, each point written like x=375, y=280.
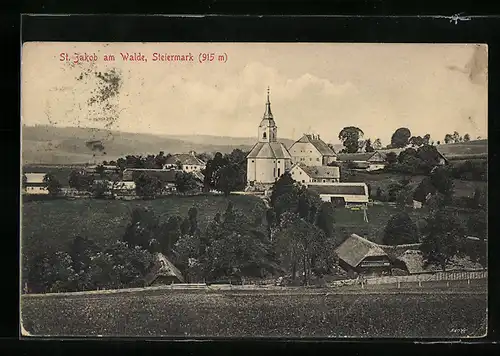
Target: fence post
x=399, y=284
x=419, y=283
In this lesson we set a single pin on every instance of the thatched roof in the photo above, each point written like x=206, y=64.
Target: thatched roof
x=163, y=268
x=356, y=248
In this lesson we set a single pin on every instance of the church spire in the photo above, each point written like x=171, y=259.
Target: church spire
x=268, y=114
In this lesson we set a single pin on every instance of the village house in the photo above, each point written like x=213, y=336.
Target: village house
x=268, y=159
x=371, y=161
x=166, y=176
x=187, y=161
x=312, y=174
x=163, y=272
x=34, y=184
x=361, y=256
x=349, y=195
x=311, y=150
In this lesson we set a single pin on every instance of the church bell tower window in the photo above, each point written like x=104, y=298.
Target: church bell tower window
x=264, y=135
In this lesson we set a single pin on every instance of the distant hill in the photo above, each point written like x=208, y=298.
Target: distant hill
x=46, y=144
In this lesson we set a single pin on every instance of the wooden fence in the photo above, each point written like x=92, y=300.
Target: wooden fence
x=427, y=277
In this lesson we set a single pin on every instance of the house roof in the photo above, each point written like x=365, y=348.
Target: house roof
x=185, y=159
x=163, y=268
x=269, y=150
x=34, y=178
x=354, y=156
x=320, y=172
x=356, y=248
x=339, y=188
x=415, y=263
x=318, y=143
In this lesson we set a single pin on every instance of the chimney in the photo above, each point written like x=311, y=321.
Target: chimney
x=192, y=153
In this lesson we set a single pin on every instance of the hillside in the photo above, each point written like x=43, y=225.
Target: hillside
x=451, y=150
x=67, y=145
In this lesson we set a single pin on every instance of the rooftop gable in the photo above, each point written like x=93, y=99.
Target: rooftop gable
x=356, y=248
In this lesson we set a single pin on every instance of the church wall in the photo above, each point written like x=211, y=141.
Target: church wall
x=251, y=170
x=305, y=153
x=265, y=170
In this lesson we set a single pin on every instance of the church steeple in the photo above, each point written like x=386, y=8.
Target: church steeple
x=268, y=132
x=268, y=114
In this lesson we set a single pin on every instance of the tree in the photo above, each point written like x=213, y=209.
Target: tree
x=400, y=137
x=284, y=185
x=409, y=152
x=400, y=230
x=350, y=136
x=52, y=184
x=391, y=157
x=143, y=228
x=456, y=137
x=445, y=238
x=377, y=144
x=211, y=169
x=147, y=186
x=101, y=171
x=49, y=272
x=442, y=181
x=429, y=155
x=477, y=224
x=439, y=142
x=80, y=180
x=448, y=138
x=466, y=137
x=426, y=139
x=185, y=182
x=178, y=165
x=368, y=146
x=416, y=141
x=229, y=178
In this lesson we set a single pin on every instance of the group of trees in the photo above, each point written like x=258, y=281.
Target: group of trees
x=414, y=161
x=455, y=137
x=226, y=172
x=86, y=265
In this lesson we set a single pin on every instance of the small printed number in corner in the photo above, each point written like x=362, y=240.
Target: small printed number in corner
x=459, y=330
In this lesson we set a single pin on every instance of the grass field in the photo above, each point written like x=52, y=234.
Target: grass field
x=431, y=313
x=54, y=223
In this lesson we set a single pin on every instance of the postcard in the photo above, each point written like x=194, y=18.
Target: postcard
x=292, y=190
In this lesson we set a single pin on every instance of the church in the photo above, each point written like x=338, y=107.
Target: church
x=268, y=159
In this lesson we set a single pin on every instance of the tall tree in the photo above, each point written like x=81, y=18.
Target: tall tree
x=456, y=137
x=448, y=138
x=400, y=230
x=426, y=139
x=377, y=144
x=185, y=182
x=147, y=186
x=416, y=141
x=391, y=157
x=466, y=137
x=368, y=146
x=350, y=136
x=443, y=182
x=400, y=137
x=80, y=180
x=445, y=238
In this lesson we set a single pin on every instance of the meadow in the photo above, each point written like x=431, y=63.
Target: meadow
x=51, y=224
x=330, y=312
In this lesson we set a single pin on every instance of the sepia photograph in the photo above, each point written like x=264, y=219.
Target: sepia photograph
x=286, y=190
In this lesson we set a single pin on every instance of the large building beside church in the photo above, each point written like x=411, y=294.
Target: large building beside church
x=268, y=159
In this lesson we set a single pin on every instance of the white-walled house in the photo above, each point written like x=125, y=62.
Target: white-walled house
x=268, y=159
x=371, y=161
x=34, y=184
x=188, y=161
x=310, y=174
x=344, y=194
x=311, y=150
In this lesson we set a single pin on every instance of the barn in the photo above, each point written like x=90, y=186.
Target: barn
x=359, y=255
x=342, y=194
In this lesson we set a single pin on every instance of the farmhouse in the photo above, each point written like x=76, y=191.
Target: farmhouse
x=311, y=150
x=309, y=174
x=357, y=254
x=342, y=194
x=370, y=161
x=34, y=184
x=268, y=159
x=188, y=161
x=163, y=272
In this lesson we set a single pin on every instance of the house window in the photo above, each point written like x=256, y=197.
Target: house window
x=264, y=135
x=253, y=161
x=310, y=159
x=278, y=172
x=274, y=172
x=303, y=181
x=317, y=159
x=278, y=161
x=324, y=180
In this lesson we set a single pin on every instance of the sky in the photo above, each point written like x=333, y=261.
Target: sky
x=314, y=88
